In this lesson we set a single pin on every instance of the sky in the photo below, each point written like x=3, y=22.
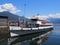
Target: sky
x=29, y=8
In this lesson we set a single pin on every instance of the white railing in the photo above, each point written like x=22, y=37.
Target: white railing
x=19, y=28
x=14, y=28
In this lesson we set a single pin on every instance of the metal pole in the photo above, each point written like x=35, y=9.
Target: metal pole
x=24, y=13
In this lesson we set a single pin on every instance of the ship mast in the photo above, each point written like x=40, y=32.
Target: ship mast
x=25, y=8
x=24, y=14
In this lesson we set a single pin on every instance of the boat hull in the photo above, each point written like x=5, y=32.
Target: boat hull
x=14, y=33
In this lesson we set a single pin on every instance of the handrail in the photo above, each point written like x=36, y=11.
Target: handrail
x=19, y=28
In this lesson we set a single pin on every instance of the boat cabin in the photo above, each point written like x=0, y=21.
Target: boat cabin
x=39, y=22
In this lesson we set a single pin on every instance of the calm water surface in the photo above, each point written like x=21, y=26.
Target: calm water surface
x=54, y=39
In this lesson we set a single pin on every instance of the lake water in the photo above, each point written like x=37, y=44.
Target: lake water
x=54, y=39
x=35, y=39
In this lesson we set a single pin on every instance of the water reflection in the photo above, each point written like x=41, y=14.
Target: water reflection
x=3, y=39
x=54, y=39
x=32, y=39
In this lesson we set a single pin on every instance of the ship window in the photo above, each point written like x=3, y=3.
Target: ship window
x=37, y=25
x=34, y=19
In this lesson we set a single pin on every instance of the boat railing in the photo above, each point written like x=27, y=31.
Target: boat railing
x=36, y=28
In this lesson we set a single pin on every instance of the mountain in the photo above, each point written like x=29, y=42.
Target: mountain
x=12, y=16
x=54, y=20
x=9, y=15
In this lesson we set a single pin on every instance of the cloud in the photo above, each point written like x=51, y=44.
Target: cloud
x=27, y=17
x=41, y=17
x=57, y=15
x=9, y=7
x=45, y=17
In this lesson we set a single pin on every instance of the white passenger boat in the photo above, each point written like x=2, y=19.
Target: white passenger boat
x=17, y=25
x=34, y=26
